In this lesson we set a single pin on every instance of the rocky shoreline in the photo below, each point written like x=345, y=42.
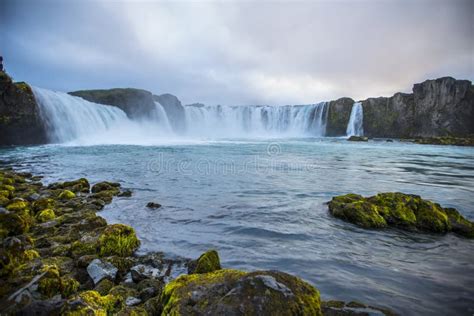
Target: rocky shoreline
x=58, y=257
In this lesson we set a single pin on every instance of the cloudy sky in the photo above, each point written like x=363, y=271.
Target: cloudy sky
x=229, y=52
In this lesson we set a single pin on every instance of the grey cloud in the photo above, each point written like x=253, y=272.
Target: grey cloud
x=239, y=52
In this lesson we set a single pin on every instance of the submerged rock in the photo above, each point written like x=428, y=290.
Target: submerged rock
x=153, y=205
x=232, y=292
x=404, y=211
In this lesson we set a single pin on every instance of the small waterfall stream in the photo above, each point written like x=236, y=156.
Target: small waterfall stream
x=355, y=126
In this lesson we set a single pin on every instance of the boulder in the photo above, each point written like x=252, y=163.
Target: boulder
x=404, y=211
x=99, y=270
x=358, y=139
x=207, y=262
x=232, y=292
x=118, y=240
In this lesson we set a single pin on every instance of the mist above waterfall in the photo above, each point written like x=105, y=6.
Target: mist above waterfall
x=73, y=120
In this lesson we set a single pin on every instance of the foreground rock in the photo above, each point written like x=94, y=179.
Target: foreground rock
x=232, y=292
x=404, y=211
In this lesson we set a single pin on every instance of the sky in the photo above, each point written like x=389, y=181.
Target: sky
x=246, y=52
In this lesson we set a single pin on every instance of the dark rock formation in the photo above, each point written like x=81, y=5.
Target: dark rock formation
x=358, y=139
x=174, y=110
x=441, y=107
x=339, y=112
x=389, y=117
x=20, y=122
x=136, y=103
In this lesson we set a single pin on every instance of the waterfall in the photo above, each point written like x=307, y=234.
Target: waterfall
x=256, y=121
x=70, y=119
x=355, y=126
x=73, y=120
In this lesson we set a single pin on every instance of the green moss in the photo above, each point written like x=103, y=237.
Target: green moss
x=66, y=195
x=45, y=215
x=400, y=210
x=8, y=181
x=104, y=286
x=7, y=187
x=80, y=248
x=5, y=193
x=119, y=240
x=42, y=204
x=16, y=206
x=123, y=292
x=16, y=223
x=106, y=186
x=252, y=293
x=94, y=304
x=208, y=262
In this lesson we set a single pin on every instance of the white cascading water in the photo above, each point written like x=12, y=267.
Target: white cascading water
x=73, y=120
x=256, y=121
x=355, y=126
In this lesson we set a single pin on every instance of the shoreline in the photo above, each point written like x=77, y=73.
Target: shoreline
x=55, y=246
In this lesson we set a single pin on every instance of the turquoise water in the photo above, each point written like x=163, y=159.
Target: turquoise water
x=261, y=204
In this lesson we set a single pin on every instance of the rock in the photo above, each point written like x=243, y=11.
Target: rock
x=76, y=186
x=92, y=303
x=141, y=272
x=104, y=286
x=340, y=308
x=20, y=121
x=99, y=270
x=446, y=140
x=45, y=215
x=153, y=205
x=66, y=195
x=404, y=211
x=132, y=301
x=125, y=193
x=232, y=292
x=136, y=103
x=207, y=262
x=358, y=139
x=106, y=186
x=119, y=240
x=338, y=115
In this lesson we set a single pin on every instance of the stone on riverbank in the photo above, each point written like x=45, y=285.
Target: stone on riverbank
x=404, y=211
x=207, y=262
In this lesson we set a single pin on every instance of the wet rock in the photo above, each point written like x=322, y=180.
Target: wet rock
x=141, y=272
x=232, y=292
x=104, y=286
x=125, y=193
x=404, y=211
x=99, y=270
x=132, y=301
x=207, y=262
x=106, y=186
x=358, y=139
x=153, y=205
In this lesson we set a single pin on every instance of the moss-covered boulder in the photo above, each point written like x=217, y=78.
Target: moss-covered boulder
x=118, y=240
x=79, y=185
x=92, y=303
x=66, y=195
x=45, y=215
x=207, y=262
x=405, y=211
x=232, y=292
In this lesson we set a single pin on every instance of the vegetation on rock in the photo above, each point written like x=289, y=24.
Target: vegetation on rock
x=119, y=240
x=405, y=211
x=207, y=262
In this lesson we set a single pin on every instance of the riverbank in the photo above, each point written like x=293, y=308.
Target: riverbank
x=59, y=257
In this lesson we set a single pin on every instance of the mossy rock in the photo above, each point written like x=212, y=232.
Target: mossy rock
x=118, y=240
x=66, y=195
x=106, y=186
x=207, y=262
x=42, y=204
x=104, y=286
x=53, y=283
x=16, y=223
x=45, y=215
x=79, y=185
x=255, y=293
x=404, y=211
x=17, y=205
x=92, y=303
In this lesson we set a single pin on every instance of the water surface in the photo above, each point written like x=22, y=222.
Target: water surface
x=261, y=204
